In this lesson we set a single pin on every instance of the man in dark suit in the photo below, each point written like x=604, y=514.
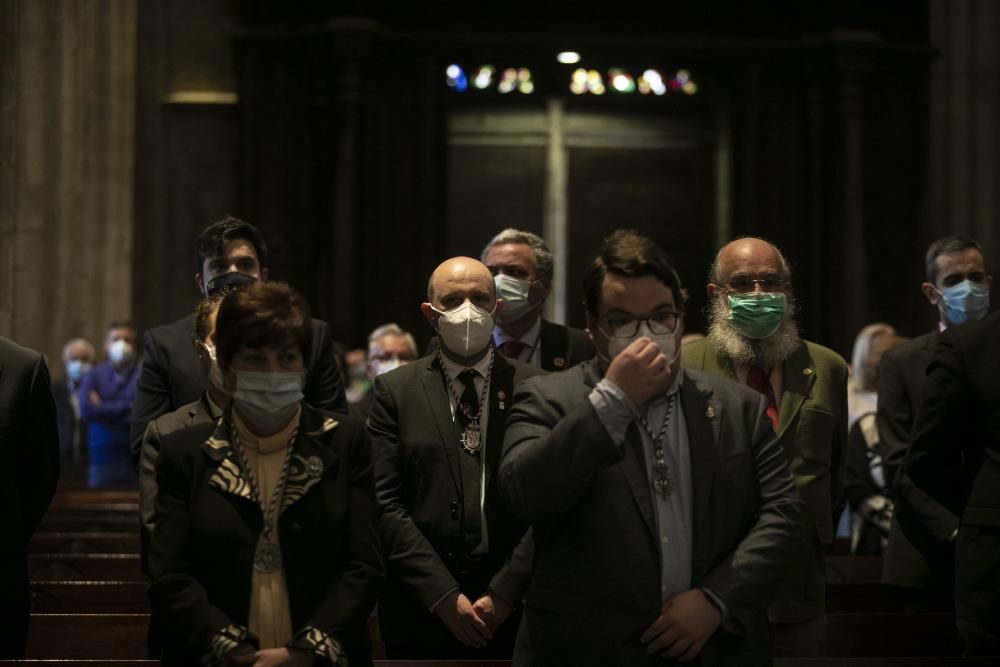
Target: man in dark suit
x=753, y=339
x=437, y=428
x=664, y=513
x=78, y=358
x=231, y=253
x=914, y=559
x=29, y=447
x=521, y=264
x=955, y=460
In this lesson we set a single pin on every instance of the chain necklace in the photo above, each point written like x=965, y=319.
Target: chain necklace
x=471, y=438
x=662, y=482
x=267, y=554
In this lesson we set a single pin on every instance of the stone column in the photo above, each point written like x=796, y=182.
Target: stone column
x=66, y=172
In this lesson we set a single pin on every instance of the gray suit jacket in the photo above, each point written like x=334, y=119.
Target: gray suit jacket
x=192, y=414
x=595, y=585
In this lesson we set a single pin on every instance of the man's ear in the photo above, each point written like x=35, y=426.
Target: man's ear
x=930, y=293
x=711, y=289
x=264, y=273
x=428, y=312
x=498, y=309
x=545, y=287
x=200, y=282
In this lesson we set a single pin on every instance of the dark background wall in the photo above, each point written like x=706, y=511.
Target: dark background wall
x=329, y=128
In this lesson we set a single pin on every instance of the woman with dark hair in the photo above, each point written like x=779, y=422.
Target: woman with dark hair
x=265, y=550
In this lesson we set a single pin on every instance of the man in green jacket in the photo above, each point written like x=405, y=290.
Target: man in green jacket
x=754, y=340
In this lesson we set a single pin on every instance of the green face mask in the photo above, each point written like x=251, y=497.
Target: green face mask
x=757, y=315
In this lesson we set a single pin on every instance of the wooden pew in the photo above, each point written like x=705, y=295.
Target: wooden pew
x=90, y=520
x=88, y=597
x=91, y=636
x=876, y=635
x=85, y=542
x=123, y=567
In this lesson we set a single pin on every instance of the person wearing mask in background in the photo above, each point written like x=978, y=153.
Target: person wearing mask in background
x=229, y=254
x=521, y=264
x=29, y=449
x=265, y=548
x=456, y=560
x=389, y=347
x=862, y=386
x=78, y=358
x=207, y=409
x=106, y=395
x=867, y=481
x=664, y=511
x=753, y=339
x=958, y=288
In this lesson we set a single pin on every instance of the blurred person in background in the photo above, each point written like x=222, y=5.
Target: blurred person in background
x=78, y=358
x=106, y=395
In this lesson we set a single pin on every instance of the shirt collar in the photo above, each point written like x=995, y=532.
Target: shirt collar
x=529, y=337
x=453, y=368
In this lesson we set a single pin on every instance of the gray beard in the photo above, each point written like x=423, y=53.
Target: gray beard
x=726, y=341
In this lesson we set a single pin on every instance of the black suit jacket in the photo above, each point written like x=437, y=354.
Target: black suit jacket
x=173, y=376
x=29, y=449
x=562, y=347
x=914, y=557
x=419, y=486
x=955, y=459
x=207, y=525
x=595, y=585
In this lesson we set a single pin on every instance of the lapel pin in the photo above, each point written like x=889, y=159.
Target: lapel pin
x=314, y=466
x=559, y=362
x=807, y=371
x=501, y=396
x=710, y=412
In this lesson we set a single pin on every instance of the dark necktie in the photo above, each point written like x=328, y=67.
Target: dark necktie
x=760, y=380
x=470, y=399
x=512, y=349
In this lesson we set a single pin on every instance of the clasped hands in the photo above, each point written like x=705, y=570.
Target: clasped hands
x=244, y=654
x=473, y=623
x=685, y=623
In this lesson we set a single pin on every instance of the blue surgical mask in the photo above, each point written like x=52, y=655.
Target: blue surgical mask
x=964, y=302
x=76, y=369
x=516, y=295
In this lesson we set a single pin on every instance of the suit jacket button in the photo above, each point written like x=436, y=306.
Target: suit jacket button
x=296, y=528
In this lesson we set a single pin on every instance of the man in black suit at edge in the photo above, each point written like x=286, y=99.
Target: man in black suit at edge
x=29, y=445
x=955, y=460
x=521, y=264
x=456, y=560
x=230, y=253
x=916, y=560
x=663, y=509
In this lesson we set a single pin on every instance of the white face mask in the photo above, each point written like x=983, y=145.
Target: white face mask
x=379, y=366
x=265, y=399
x=516, y=297
x=465, y=330
x=666, y=342
x=120, y=352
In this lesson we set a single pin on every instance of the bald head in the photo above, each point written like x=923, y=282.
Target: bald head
x=749, y=257
x=78, y=349
x=458, y=279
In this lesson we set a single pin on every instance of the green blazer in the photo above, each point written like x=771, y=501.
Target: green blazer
x=812, y=431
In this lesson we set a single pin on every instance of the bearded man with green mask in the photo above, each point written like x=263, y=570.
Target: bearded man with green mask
x=754, y=340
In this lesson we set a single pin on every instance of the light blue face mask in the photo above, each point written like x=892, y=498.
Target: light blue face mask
x=757, y=315
x=265, y=399
x=967, y=301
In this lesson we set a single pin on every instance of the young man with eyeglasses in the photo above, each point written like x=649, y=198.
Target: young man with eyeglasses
x=753, y=339
x=663, y=510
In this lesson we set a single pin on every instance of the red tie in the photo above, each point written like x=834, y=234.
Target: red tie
x=512, y=348
x=761, y=381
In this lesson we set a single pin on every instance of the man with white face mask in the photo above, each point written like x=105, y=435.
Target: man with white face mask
x=521, y=264
x=453, y=578
x=106, y=395
x=918, y=561
x=389, y=347
x=663, y=511
x=753, y=339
